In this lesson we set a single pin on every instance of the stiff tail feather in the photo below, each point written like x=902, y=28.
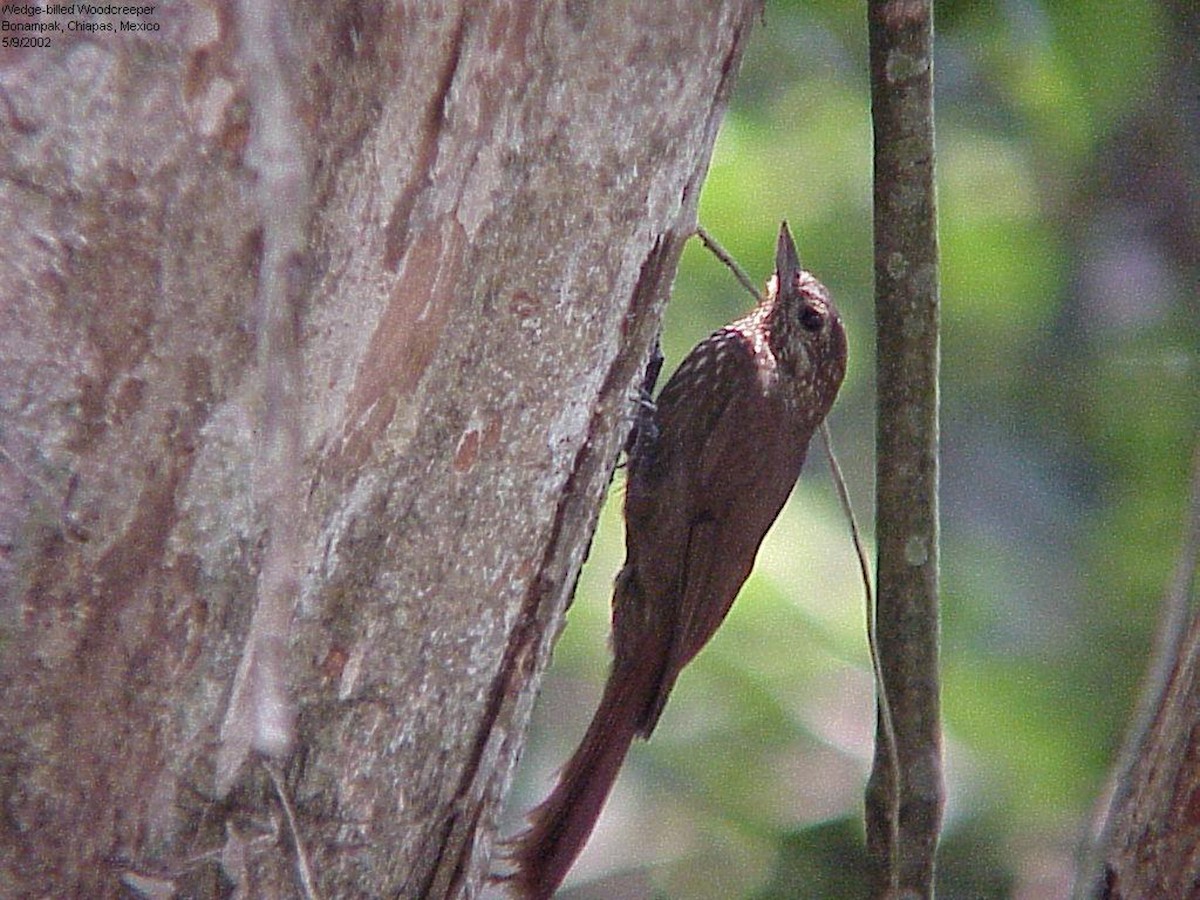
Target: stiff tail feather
x=543, y=853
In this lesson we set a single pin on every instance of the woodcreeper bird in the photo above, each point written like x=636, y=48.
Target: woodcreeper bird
x=706, y=477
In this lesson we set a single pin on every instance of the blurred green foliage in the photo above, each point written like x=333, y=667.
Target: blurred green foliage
x=1070, y=402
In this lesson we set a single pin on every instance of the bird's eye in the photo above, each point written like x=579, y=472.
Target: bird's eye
x=812, y=318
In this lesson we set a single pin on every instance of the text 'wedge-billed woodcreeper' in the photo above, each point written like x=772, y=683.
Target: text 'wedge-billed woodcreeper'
x=706, y=478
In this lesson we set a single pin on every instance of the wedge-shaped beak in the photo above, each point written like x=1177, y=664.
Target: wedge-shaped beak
x=787, y=262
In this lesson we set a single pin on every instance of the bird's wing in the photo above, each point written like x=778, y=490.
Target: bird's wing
x=711, y=415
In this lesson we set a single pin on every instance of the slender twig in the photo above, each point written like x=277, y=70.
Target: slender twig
x=302, y=865
x=885, y=707
x=732, y=264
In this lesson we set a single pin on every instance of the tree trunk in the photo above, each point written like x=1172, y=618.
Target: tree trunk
x=1143, y=842
x=320, y=327
x=1146, y=836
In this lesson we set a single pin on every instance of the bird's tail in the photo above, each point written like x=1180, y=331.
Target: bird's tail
x=558, y=828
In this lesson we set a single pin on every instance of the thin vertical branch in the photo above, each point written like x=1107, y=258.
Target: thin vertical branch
x=902, y=831
x=260, y=715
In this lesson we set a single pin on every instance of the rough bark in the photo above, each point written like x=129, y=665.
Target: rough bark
x=1148, y=834
x=904, y=796
x=1143, y=841
x=318, y=336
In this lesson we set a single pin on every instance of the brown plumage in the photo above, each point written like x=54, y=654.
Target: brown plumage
x=731, y=429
